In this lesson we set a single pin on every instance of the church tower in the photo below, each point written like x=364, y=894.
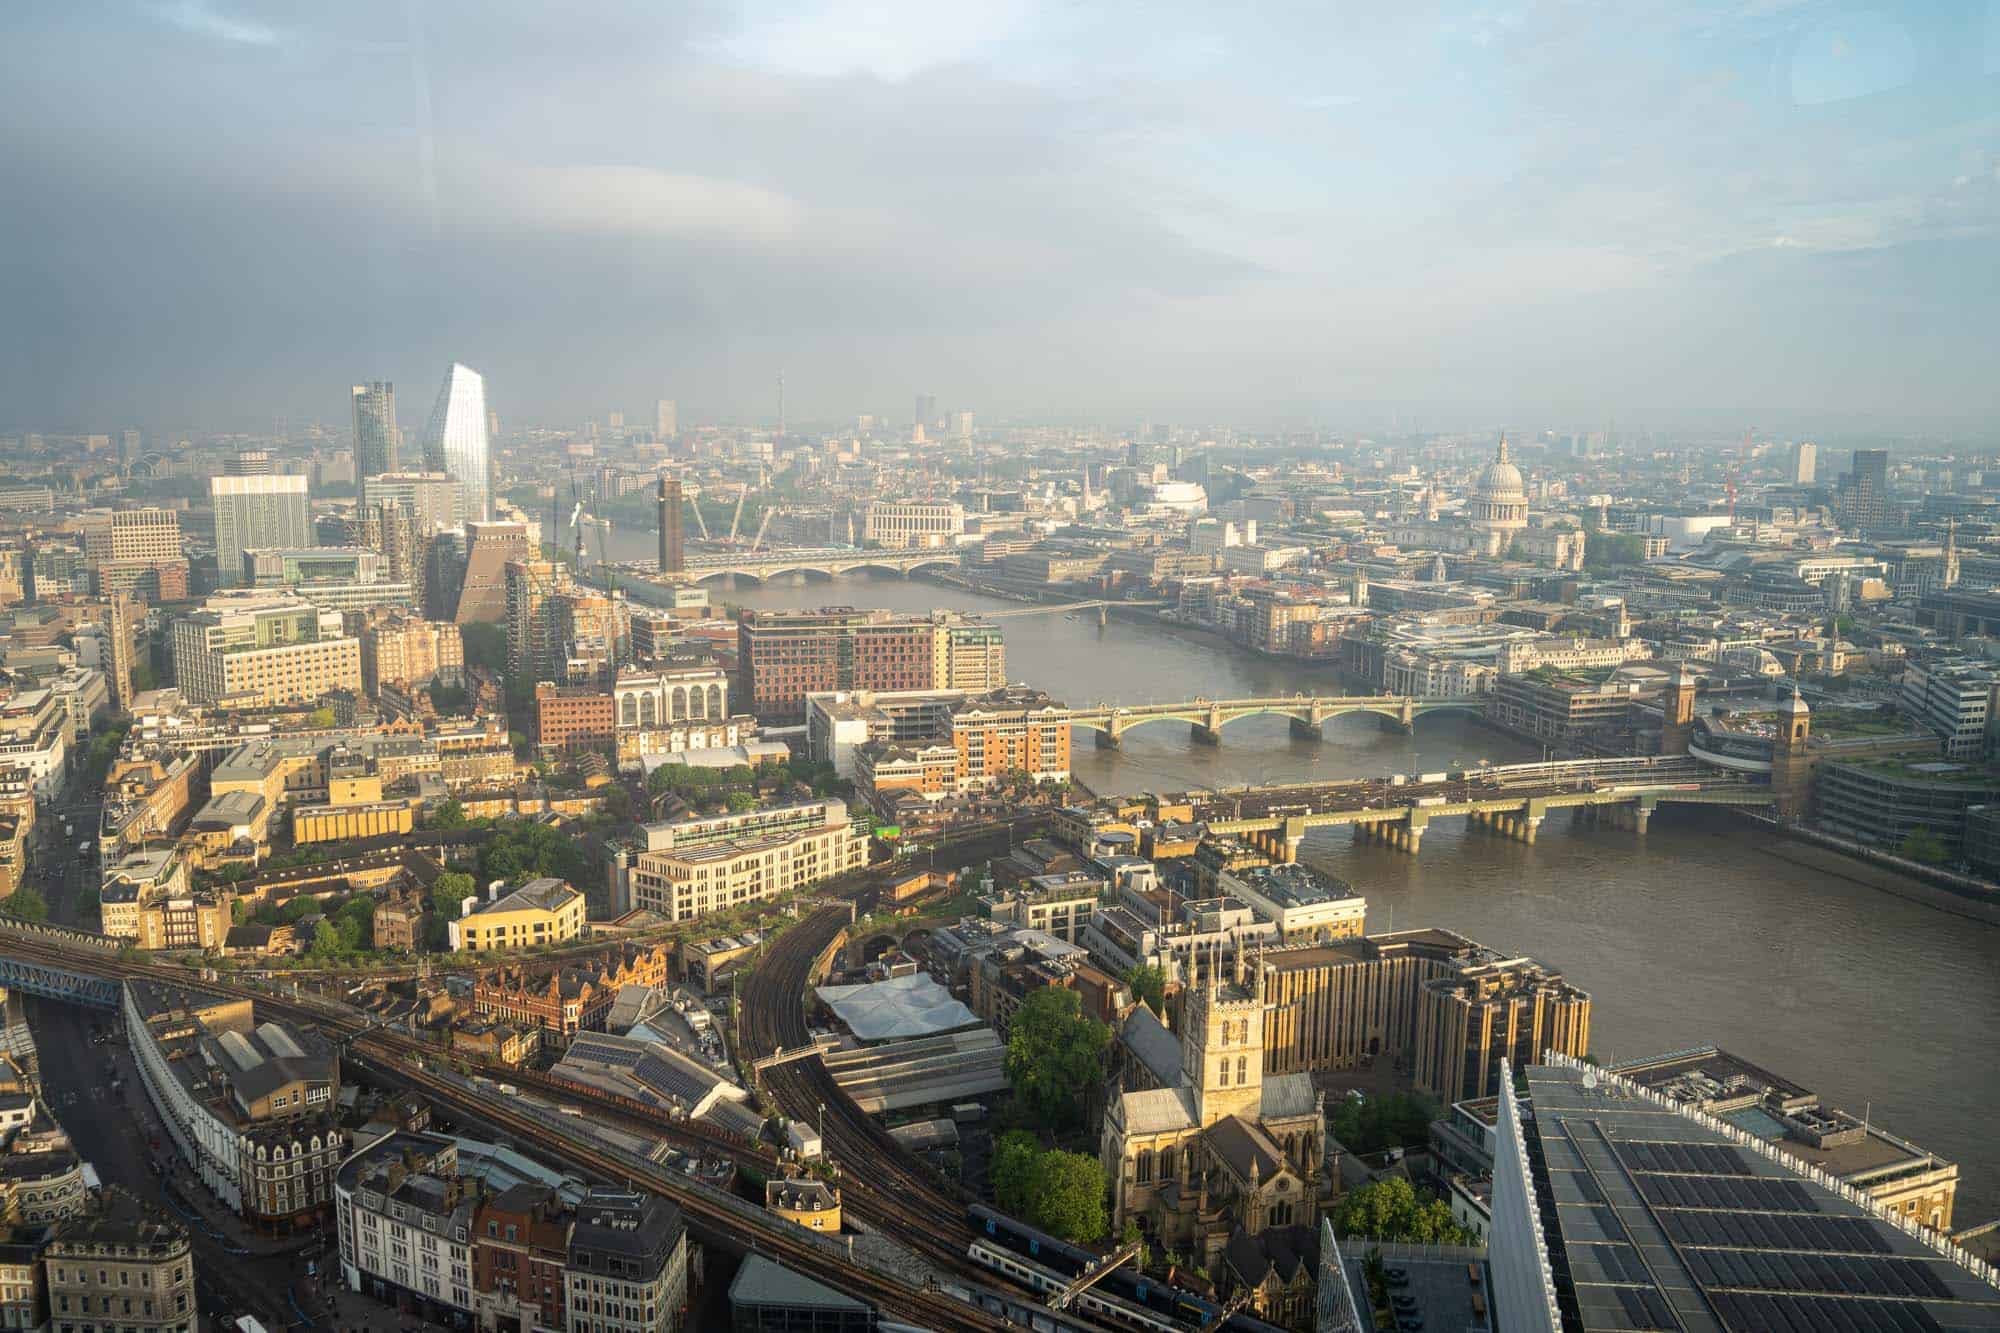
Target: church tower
x=1222, y=1048
x=1951, y=553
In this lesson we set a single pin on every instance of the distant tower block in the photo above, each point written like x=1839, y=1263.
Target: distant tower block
x=673, y=540
x=1677, y=713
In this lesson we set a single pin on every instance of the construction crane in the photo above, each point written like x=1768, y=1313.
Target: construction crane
x=1093, y=1275
x=763, y=524
x=699, y=521
x=737, y=518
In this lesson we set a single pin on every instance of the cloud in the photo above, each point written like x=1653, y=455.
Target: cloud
x=1100, y=210
x=885, y=39
x=203, y=20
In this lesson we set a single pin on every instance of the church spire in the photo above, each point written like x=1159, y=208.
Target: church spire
x=1503, y=448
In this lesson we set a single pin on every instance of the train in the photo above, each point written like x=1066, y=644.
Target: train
x=1124, y=1299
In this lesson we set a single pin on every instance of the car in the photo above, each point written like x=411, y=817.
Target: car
x=1398, y=1277
x=1403, y=1302
x=1409, y=1323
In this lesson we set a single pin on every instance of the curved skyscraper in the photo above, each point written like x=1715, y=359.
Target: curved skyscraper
x=456, y=442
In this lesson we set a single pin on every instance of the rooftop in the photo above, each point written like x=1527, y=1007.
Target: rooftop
x=1659, y=1217
x=537, y=895
x=1295, y=885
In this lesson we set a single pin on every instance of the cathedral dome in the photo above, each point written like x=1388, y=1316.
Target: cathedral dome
x=1501, y=480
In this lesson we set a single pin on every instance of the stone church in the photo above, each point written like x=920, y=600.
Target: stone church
x=1201, y=1145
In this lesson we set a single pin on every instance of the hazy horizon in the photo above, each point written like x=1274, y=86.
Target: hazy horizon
x=1713, y=216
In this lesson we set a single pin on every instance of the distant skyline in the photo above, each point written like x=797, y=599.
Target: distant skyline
x=1762, y=212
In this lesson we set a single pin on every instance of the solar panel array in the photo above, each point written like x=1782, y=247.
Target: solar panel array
x=1665, y=1224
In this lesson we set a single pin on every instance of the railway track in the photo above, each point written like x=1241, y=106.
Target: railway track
x=786, y=1243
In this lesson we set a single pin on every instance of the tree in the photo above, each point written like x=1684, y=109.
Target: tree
x=1604, y=549
x=448, y=816
x=322, y=718
x=1149, y=986
x=326, y=938
x=1392, y=1210
x=28, y=904
x=452, y=888
x=1055, y=1056
x=1013, y=1170
x=1368, y=1125
x=740, y=801
x=485, y=645
x=1060, y=1192
x=1925, y=846
x=1069, y=1196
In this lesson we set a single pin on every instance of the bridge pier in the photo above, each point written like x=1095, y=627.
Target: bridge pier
x=1103, y=615
x=1204, y=735
x=1642, y=815
x=1306, y=731
x=1107, y=739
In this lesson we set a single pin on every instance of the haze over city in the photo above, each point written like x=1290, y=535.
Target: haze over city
x=1439, y=216
x=977, y=664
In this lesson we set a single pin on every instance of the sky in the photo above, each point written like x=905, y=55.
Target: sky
x=1436, y=216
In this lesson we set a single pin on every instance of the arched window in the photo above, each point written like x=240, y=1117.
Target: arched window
x=628, y=710
x=1168, y=1162
x=680, y=704
x=1222, y=1073
x=715, y=701
x=1145, y=1168
x=1242, y=1064
x=648, y=710
x=698, y=703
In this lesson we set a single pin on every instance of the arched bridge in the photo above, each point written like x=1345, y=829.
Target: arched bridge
x=827, y=561
x=1207, y=717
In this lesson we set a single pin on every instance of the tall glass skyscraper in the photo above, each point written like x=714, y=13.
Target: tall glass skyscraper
x=374, y=428
x=456, y=442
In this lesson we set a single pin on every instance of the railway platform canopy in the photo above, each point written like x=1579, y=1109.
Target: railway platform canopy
x=897, y=1009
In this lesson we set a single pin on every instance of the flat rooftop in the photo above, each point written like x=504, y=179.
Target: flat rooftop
x=1658, y=1220
x=1295, y=885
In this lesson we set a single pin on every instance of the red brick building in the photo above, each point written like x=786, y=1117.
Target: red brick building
x=520, y=1241
x=574, y=717
x=570, y=999
x=786, y=655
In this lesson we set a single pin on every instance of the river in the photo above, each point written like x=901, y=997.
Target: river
x=1695, y=933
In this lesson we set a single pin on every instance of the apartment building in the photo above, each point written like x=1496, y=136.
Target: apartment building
x=627, y=1270
x=121, y=1267
x=247, y=1104
x=134, y=882
x=542, y=911
x=257, y=651
x=689, y=868
x=404, y=650
x=404, y=1216
x=131, y=536
x=35, y=738
x=970, y=655
x=786, y=655
x=573, y=717
x=1505, y=1011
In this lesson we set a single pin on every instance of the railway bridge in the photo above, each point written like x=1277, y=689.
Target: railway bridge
x=1206, y=718
x=1511, y=803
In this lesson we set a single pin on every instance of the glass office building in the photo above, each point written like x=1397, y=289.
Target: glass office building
x=456, y=440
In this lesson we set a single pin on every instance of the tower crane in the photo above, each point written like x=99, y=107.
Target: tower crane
x=764, y=523
x=737, y=517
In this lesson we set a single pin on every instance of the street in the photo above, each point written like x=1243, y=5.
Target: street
x=95, y=1095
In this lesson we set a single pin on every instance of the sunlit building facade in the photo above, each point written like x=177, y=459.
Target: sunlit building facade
x=456, y=440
